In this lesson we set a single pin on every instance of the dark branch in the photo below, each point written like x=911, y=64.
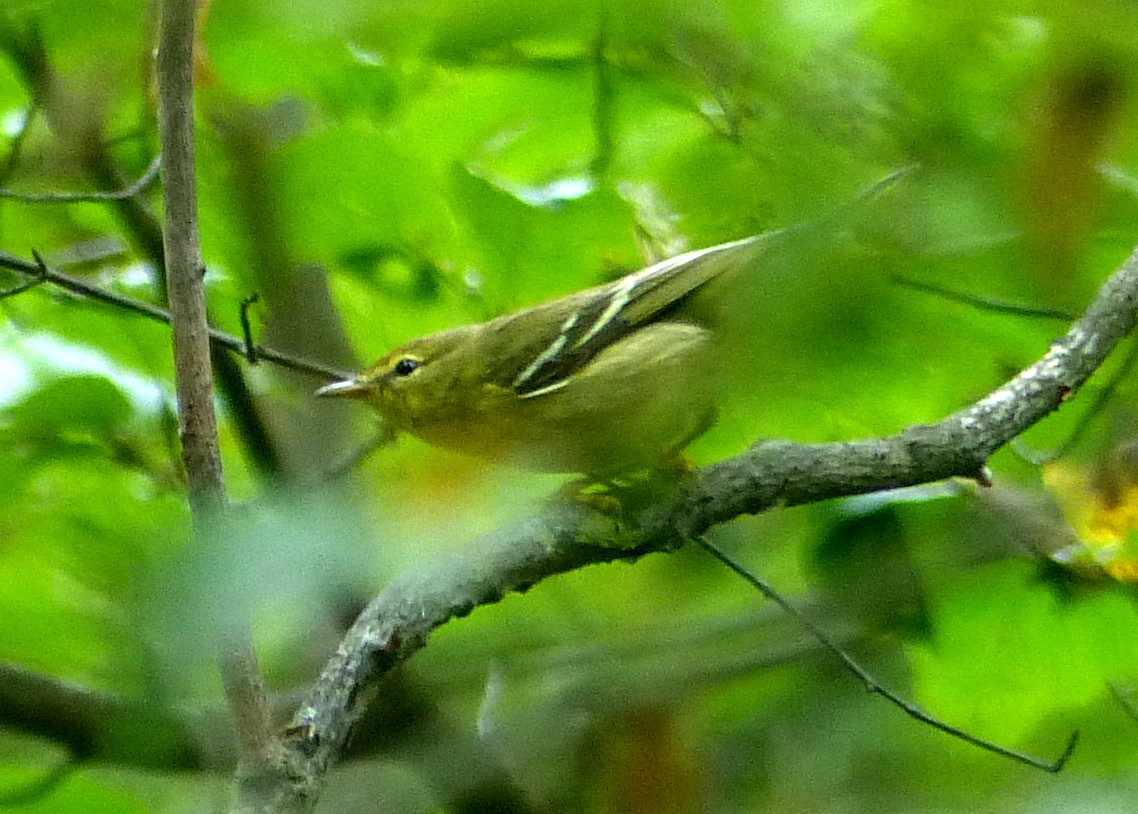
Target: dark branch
x=58, y=103
x=247, y=328
x=83, y=721
x=872, y=685
x=41, y=273
x=993, y=304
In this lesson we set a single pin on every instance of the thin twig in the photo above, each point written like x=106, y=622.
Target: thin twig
x=37, y=790
x=876, y=188
x=41, y=273
x=20, y=288
x=870, y=682
x=247, y=329
x=129, y=191
x=983, y=303
x=1000, y=306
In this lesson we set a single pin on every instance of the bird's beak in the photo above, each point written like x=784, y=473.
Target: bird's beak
x=347, y=387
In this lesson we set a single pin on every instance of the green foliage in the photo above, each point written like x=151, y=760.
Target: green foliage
x=376, y=171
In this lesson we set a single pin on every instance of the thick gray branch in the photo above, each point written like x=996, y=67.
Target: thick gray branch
x=769, y=475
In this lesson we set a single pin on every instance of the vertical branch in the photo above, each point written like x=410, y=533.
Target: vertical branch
x=197, y=421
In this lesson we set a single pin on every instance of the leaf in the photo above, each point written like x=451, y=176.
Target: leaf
x=76, y=407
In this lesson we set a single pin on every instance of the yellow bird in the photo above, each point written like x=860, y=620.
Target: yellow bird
x=606, y=381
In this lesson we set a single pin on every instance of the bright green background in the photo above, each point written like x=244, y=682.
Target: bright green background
x=431, y=163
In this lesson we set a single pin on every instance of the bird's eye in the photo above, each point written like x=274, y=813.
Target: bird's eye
x=406, y=366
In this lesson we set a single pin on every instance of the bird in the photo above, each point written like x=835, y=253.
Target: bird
x=603, y=382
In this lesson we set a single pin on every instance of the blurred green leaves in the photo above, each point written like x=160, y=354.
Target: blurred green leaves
x=79, y=407
x=418, y=165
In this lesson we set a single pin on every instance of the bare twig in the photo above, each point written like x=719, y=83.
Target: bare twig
x=37, y=277
x=42, y=273
x=1000, y=306
x=77, y=718
x=41, y=787
x=985, y=303
x=129, y=191
x=197, y=420
x=247, y=329
x=83, y=136
x=871, y=684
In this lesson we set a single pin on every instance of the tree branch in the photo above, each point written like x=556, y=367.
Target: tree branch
x=194, y=378
x=771, y=474
x=89, y=724
x=39, y=272
x=129, y=191
x=82, y=134
x=197, y=421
